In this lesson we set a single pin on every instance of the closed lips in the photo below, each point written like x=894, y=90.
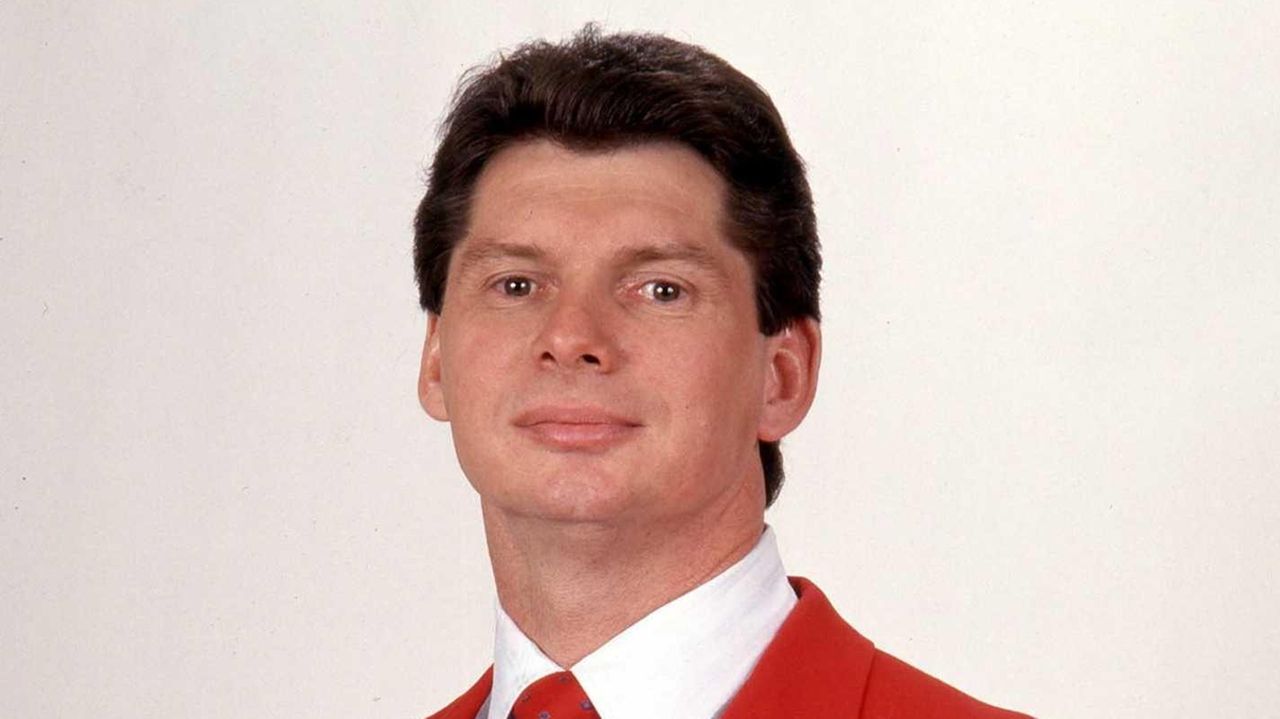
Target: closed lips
x=574, y=429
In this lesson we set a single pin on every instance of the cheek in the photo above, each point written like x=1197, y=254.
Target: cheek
x=472, y=370
x=718, y=383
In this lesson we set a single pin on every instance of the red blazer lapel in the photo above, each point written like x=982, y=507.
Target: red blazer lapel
x=816, y=665
x=468, y=705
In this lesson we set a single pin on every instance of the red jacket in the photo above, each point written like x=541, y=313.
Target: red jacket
x=818, y=666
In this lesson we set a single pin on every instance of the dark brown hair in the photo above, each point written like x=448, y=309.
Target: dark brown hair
x=597, y=92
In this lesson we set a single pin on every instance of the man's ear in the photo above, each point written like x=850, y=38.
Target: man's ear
x=430, y=389
x=791, y=378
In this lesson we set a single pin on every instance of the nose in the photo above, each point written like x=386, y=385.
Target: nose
x=577, y=334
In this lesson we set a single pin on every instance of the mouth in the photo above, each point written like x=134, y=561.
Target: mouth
x=576, y=428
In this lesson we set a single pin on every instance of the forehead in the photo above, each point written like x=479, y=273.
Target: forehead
x=648, y=192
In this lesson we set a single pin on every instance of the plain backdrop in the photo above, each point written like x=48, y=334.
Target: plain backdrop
x=1042, y=464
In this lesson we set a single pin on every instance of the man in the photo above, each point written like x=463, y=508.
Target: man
x=618, y=257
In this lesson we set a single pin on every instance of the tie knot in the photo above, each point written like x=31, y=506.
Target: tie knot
x=555, y=696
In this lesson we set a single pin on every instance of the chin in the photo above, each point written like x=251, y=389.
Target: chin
x=571, y=497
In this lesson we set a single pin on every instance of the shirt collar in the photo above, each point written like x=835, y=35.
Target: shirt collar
x=687, y=658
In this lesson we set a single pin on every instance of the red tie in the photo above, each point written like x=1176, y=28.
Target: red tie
x=555, y=696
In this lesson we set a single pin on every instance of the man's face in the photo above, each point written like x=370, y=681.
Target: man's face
x=598, y=354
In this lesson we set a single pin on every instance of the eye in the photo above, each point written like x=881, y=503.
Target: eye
x=662, y=291
x=515, y=286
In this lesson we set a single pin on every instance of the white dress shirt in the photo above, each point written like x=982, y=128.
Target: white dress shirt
x=685, y=659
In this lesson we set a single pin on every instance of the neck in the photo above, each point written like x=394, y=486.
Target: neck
x=572, y=586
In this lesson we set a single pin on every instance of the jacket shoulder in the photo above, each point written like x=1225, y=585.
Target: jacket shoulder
x=897, y=690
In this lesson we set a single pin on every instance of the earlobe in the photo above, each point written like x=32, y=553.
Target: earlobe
x=794, y=355
x=430, y=388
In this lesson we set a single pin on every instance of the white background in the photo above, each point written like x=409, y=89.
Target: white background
x=1042, y=465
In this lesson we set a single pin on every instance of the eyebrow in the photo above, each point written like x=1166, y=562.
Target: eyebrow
x=479, y=252
x=671, y=251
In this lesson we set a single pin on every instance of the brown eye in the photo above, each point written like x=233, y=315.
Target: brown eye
x=662, y=291
x=517, y=286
